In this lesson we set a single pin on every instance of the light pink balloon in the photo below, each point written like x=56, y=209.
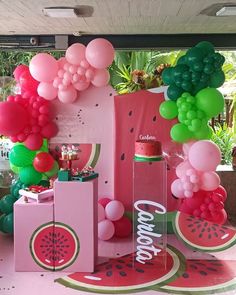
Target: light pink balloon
x=101, y=213
x=182, y=168
x=114, y=210
x=106, y=230
x=81, y=85
x=75, y=78
x=56, y=82
x=209, y=181
x=61, y=62
x=89, y=74
x=43, y=67
x=187, y=146
x=68, y=96
x=100, y=53
x=60, y=73
x=47, y=91
x=75, y=53
x=177, y=189
x=84, y=64
x=81, y=71
x=101, y=78
x=73, y=69
x=204, y=155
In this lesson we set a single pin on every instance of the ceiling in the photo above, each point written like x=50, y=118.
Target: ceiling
x=25, y=17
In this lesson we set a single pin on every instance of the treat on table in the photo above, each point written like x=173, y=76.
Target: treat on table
x=37, y=192
x=148, y=150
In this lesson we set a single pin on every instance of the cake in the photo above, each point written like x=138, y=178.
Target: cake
x=148, y=150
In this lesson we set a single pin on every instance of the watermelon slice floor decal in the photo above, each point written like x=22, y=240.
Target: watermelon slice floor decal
x=125, y=275
x=201, y=234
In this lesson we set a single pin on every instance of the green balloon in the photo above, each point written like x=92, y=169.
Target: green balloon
x=197, y=66
x=2, y=217
x=206, y=47
x=44, y=183
x=181, y=60
x=217, y=79
x=15, y=187
x=44, y=147
x=194, y=55
x=168, y=109
x=15, y=169
x=174, y=92
x=210, y=101
x=179, y=70
x=167, y=76
x=29, y=176
x=180, y=133
x=6, y=204
x=208, y=69
x=54, y=170
x=187, y=85
x=204, y=133
x=191, y=114
x=20, y=156
x=8, y=223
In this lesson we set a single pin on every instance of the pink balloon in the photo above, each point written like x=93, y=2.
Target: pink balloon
x=186, y=147
x=89, y=74
x=47, y=91
x=43, y=67
x=61, y=62
x=13, y=118
x=50, y=130
x=106, y=230
x=68, y=95
x=19, y=70
x=182, y=168
x=104, y=201
x=101, y=213
x=60, y=73
x=100, y=53
x=73, y=69
x=204, y=155
x=114, y=210
x=56, y=82
x=81, y=85
x=84, y=64
x=101, y=78
x=209, y=181
x=34, y=141
x=177, y=189
x=75, y=53
x=81, y=71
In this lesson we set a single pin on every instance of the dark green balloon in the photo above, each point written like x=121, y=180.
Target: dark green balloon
x=217, y=79
x=187, y=76
x=2, y=217
x=208, y=69
x=8, y=223
x=167, y=76
x=29, y=176
x=180, y=133
x=6, y=204
x=174, y=92
x=179, y=70
x=197, y=66
x=186, y=85
x=181, y=60
x=15, y=187
x=20, y=156
x=194, y=55
x=206, y=47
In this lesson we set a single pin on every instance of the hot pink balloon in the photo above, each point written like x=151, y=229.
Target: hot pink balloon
x=34, y=141
x=101, y=78
x=101, y=213
x=100, y=53
x=209, y=181
x=177, y=189
x=106, y=230
x=68, y=95
x=19, y=70
x=204, y=155
x=43, y=67
x=81, y=85
x=47, y=91
x=50, y=130
x=75, y=53
x=182, y=168
x=13, y=118
x=114, y=210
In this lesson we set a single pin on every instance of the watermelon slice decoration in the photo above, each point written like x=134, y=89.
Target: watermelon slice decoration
x=54, y=246
x=203, y=235
x=204, y=277
x=88, y=155
x=125, y=275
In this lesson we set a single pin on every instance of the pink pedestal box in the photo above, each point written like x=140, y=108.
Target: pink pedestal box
x=27, y=218
x=76, y=206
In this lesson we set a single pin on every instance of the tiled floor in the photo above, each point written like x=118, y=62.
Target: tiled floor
x=38, y=283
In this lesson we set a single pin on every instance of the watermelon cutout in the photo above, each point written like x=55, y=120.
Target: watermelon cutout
x=125, y=275
x=201, y=234
x=54, y=246
x=204, y=277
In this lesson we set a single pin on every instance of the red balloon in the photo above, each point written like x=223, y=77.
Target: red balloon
x=219, y=217
x=28, y=83
x=104, y=201
x=13, y=118
x=43, y=162
x=123, y=227
x=49, y=130
x=19, y=70
x=221, y=191
x=34, y=141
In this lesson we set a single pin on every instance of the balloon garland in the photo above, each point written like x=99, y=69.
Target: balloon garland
x=194, y=100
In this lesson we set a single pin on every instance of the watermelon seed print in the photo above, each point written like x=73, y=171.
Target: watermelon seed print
x=122, y=157
x=130, y=113
x=154, y=118
x=132, y=130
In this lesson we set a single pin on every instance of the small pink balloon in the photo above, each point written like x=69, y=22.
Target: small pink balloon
x=188, y=194
x=61, y=62
x=106, y=230
x=66, y=66
x=84, y=64
x=182, y=168
x=81, y=71
x=101, y=213
x=47, y=91
x=177, y=189
x=66, y=82
x=50, y=130
x=75, y=53
x=89, y=74
x=209, y=181
x=81, y=85
x=204, y=155
x=187, y=186
x=73, y=69
x=56, y=82
x=101, y=78
x=100, y=53
x=62, y=87
x=114, y=210
x=34, y=141
x=67, y=76
x=68, y=96
x=194, y=178
x=43, y=67
x=60, y=73
x=75, y=78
